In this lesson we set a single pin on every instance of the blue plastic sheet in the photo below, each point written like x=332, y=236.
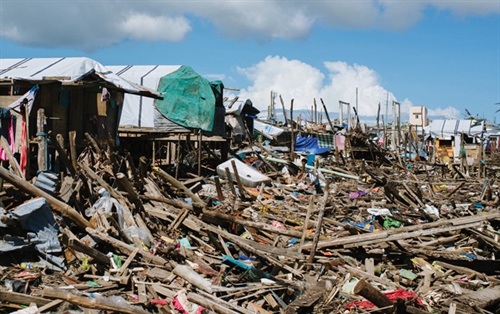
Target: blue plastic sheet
x=309, y=145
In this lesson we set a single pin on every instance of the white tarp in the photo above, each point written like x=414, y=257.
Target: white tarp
x=29, y=97
x=139, y=111
x=446, y=129
x=65, y=70
x=267, y=130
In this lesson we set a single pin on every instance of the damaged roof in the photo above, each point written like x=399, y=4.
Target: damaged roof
x=67, y=71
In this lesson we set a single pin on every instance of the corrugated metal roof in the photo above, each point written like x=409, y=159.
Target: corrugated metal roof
x=66, y=70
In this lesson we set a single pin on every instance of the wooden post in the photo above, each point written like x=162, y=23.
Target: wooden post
x=77, y=245
x=230, y=181
x=62, y=153
x=42, y=140
x=378, y=116
x=200, y=139
x=153, y=154
x=238, y=181
x=177, y=157
x=306, y=223
x=319, y=224
x=138, y=182
x=132, y=195
x=292, y=139
x=315, y=112
x=327, y=115
x=372, y=294
x=219, y=189
x=72, y=147
x=284, y=111
x=93, y=143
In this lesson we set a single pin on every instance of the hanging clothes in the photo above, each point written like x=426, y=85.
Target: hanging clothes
x=7, y=123
x=23, y=143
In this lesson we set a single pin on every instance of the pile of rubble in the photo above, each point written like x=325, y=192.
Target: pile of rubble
x=330, y=235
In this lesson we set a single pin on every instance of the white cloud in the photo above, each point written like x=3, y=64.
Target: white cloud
x=262, y=19
x=444, y=113
x=90, y=26
x=293, y=79
x=471, y=7
x=145, y=27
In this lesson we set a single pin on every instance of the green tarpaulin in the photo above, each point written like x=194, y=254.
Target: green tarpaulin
x=188, y=98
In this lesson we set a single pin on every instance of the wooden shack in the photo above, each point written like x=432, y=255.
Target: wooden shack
x=75, y=97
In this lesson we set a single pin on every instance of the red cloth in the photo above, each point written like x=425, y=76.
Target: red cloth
x=23, y=148
x=401, y=294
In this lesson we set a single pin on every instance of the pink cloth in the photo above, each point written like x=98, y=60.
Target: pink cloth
x=182, y=304
x=340, y=142
x=10, y=137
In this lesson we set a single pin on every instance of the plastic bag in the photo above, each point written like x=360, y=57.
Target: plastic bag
x=104, y=205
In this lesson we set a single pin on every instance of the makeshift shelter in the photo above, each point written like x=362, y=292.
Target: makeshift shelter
x=190, y=114
x=190, y=101
x=451, y=136
x=75, y=96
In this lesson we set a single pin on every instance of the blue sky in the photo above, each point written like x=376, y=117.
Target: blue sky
x=444, y=55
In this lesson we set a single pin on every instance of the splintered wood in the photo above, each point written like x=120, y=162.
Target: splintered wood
x=356, y=231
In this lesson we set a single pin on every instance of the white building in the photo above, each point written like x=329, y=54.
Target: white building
x=418, y=116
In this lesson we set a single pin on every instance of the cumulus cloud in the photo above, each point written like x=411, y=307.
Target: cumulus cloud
x=145, y=27
x=293, y=79
x=444, y=113
x=80, y=25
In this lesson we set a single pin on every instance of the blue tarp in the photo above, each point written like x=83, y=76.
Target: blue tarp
x=309, y=145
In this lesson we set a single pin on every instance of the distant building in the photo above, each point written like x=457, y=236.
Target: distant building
x=418, y=116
